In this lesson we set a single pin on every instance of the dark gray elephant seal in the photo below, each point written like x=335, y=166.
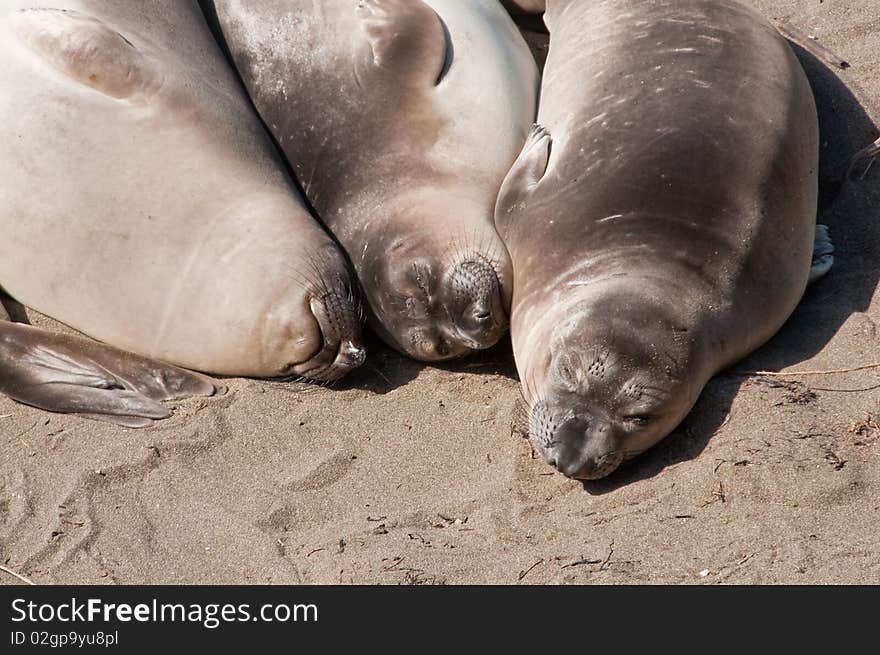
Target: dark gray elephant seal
x=141, y=203
x=400, y=119
x=660, y=220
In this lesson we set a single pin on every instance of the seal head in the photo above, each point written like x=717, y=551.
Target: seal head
x=619, y=377
x=436, y=304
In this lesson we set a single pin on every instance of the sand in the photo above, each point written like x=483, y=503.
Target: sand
x=406, y=473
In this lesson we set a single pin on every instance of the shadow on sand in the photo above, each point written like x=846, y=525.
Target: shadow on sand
x=386, y=369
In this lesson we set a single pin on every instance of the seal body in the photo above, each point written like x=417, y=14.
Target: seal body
x=660, y=218
x=400, y=119
x=141, y=202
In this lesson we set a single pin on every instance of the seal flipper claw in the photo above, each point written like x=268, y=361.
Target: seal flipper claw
x=527, y=171
x=406, y=37
x=65, y=374
x=823, y=254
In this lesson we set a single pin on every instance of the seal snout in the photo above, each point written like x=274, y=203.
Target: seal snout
x=351, y=355
x=579, y=445
x=578, y=468
x=340, y=332
x=478, y=308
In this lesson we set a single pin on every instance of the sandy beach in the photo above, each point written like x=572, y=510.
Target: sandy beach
x=405, y=473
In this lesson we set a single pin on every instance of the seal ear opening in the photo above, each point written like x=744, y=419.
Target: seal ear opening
x=86, y=50
x=527, y=171
x=408, y=37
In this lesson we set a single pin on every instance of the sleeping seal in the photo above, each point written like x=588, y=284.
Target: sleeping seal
x=400, y=119
x=660, y=218
x=142, y=205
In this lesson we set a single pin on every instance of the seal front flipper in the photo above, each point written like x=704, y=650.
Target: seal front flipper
x=72, y=375
x=406, y=38
x=526, y=172
x=87, y=51
x=823, y=254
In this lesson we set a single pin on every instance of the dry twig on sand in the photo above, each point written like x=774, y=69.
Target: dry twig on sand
x=786, y=374
x=17, y=575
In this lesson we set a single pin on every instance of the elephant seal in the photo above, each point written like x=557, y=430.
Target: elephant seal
x=660, y=218
x=143, y=205
x=400, y=119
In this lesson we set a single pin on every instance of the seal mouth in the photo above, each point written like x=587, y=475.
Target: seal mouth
x=593, y=469
x=433, y=346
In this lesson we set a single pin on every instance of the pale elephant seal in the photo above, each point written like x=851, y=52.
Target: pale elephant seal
x=400, y=119
x=660, y=220
x=143, y=205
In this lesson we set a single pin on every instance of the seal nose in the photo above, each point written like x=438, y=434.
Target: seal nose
x=477, y=292
x=351, y=355
x=481, y=312
x=568, y=459
x=578, y=467
x=583, y=450
x=589, y=469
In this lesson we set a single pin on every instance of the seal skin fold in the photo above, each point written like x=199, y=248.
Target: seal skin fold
x=400, y=120
x=660, y=218
x=144, y=206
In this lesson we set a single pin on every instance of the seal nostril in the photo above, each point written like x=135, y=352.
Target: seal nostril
x=352, y=355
